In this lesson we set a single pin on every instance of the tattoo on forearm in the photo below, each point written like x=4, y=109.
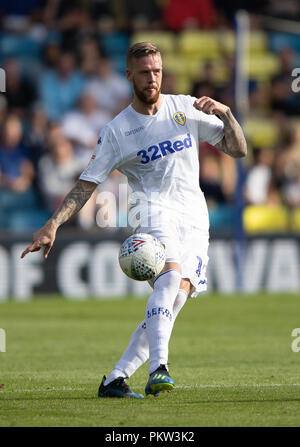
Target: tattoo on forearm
x=234, y=142
x=73, y=202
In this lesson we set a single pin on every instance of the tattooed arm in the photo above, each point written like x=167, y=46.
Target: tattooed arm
x=71, y=204
x=233, y=143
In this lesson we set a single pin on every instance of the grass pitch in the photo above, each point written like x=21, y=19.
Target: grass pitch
x=230, y=357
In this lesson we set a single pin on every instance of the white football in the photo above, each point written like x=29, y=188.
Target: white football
x=142, y=256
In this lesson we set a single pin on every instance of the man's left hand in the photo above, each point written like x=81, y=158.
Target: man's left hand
x=210, y=106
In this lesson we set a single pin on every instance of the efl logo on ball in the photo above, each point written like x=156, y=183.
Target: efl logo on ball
x=142, y=256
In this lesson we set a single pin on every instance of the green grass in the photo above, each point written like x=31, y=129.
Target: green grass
x=230, y=357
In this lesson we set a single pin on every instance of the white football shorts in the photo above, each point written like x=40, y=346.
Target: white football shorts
x=188, y=246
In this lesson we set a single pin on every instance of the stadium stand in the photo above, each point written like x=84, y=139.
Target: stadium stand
x=266, y=219
x=53, y=57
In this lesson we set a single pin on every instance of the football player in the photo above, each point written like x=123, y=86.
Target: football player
x=154, y=142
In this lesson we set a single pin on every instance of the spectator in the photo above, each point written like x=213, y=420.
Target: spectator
x=140, y=13
x=110, y=89
x=51, y=53
x=226, y=92
x=258, y=101
x=83, y=125
x=291, y=189
x=61, y=88
x=57, y=171
x=89, y=54
x=20, y=93
x=259, y=180
x=282, y=98
x=287, y=167
x=16, y=176
x=72, y=19
x=211, y=180
x=54, y=133
x=168, y=83
x=206, y=84
x=217, y=180
x=74, y=25
x=36, y=135
x=16, y=171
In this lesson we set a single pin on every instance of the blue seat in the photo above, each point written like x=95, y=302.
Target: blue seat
x=281, y=40
x=21, y=211
x=31, y=219
x=221, y=216
x=114, y=44
x=11, y=201
x=119, y=63
x=19, y=47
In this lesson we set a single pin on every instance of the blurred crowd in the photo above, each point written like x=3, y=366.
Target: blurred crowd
x=64, y=64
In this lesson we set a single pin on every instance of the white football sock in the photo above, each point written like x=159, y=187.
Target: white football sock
x=135, y=355
x=159, y=317
x=179, y=303
x=137, y=352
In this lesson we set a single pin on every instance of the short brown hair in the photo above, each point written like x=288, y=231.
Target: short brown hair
x=140, y=49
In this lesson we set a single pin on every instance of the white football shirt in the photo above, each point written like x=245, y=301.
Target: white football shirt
x=159, y=155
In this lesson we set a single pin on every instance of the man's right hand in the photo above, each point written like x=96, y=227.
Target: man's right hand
x=44, y=237
x=72, y=203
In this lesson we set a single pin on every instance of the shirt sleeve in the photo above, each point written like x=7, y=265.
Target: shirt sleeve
x=211, y=128
x=105, y=159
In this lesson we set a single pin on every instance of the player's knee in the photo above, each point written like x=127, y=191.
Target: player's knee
x=171, y=266
x=168, y=281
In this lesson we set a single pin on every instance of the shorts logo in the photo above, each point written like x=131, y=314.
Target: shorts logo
x=179, y=117
x=199, y=270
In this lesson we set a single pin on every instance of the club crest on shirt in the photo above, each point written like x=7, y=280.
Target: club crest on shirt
x=179, y=117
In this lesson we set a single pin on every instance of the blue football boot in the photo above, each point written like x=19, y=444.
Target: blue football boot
x=117, y=388
x=159, y=380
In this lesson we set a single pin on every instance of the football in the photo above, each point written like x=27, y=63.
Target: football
x=142, y=256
